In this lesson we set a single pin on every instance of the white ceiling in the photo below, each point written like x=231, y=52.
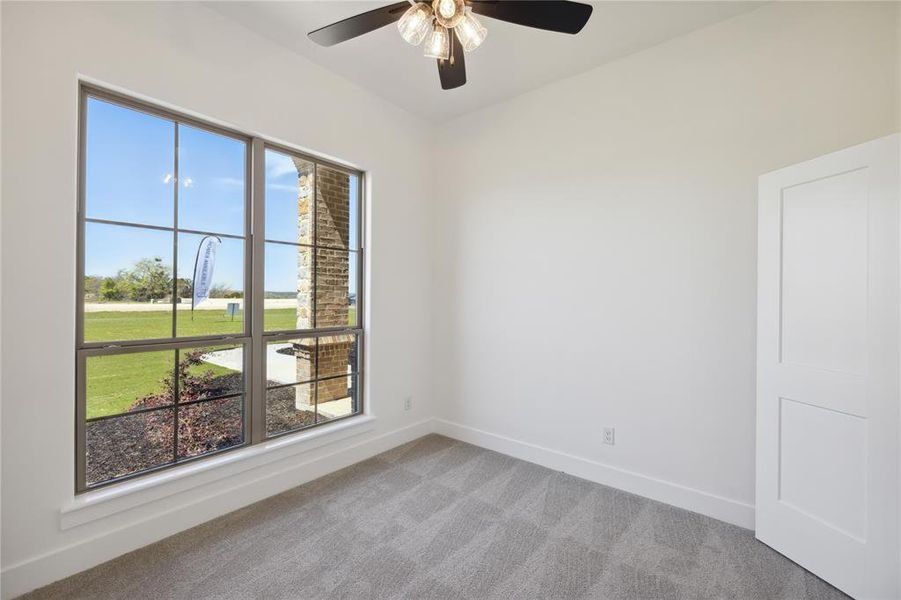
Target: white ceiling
x=512, y=60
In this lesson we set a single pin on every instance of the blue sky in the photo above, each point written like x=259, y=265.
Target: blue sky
x=130, y=177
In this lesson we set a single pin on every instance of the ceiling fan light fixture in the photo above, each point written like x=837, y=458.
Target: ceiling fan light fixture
x=437, y=22
x=448, y=13
x=437, y=45
x=470, y=32
x=415, y=23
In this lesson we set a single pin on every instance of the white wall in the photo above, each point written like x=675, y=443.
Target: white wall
x=593, y=264
x=195, y=59
x=595, y=256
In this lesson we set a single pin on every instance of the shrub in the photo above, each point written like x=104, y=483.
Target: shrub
x=204, y=426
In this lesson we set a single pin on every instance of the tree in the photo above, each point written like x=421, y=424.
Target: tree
x=92, y=285
x=185, y=287
x=149, y=279
x=110, y=291
x=221, y=290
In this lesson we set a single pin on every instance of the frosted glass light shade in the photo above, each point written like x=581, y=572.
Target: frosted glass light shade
x=447, y=8
x=437, y=45
x=448, y=13
x=415, y=23
x=470, y=32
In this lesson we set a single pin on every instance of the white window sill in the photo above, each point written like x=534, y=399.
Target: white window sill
x=102, y=503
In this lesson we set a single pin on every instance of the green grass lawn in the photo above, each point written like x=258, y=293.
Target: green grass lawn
x=115, y=382
x=108, y=326
x=111, y=326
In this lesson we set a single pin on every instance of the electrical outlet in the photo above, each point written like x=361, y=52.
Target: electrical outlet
x=609, y=437
x=408, y=403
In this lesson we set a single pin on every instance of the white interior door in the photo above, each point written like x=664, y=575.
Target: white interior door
x=828, y=366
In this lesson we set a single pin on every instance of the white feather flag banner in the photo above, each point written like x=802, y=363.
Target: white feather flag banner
x=203, y=269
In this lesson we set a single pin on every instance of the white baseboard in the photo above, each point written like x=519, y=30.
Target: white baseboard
x=178, y=513
x=718, y=507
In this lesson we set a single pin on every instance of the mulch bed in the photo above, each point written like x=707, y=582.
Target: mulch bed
x=281, y=414
x=134, y=442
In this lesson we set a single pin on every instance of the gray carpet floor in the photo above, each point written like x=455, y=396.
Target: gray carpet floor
x=438, y=518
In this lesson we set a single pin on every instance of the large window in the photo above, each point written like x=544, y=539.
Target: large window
x=219, y=299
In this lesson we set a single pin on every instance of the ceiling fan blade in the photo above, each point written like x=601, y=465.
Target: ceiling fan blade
x=453, y=75
x=358, y=25
x=552, y=15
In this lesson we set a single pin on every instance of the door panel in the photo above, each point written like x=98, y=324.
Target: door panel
x=824, y=475
x=824, y=273
x=828, y=366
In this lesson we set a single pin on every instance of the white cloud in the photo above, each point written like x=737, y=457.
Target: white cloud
x=167, y=178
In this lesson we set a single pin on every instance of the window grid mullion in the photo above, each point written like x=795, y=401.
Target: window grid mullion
x=247, y=365
x=175, y=375
x=257, y=266
x=175, y=182
x=164, y=228
x=313, y=245
x=316, y=383
x=296, y=383
x=165, y=407
x=176, y=392
x=314, y=277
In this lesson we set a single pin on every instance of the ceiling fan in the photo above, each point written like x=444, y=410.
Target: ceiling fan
x=450, y=27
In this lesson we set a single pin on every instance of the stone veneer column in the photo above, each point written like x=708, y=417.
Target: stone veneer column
x=305, y=186
x=329, y=296
x=305, y=352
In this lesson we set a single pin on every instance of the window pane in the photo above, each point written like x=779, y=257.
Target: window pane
x=209, y=426
x=121, y=383
x=123, y=445
x=129, y=166
x=290, y=361
x=223, y=310
x=211, y=187
x=336, y=288
x=289, y=198
x=337, y=355
x=337, y=397
x=128, y=283
x=288, y=302
x=290, y=407
x=336, y=208
x=210, y=372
